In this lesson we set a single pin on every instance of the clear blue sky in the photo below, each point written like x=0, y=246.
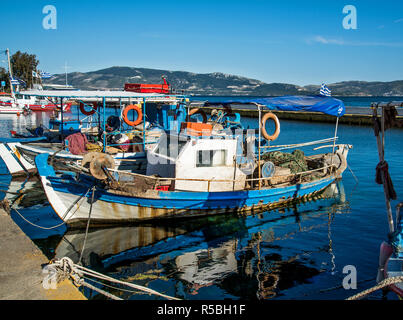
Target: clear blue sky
x=300, y=42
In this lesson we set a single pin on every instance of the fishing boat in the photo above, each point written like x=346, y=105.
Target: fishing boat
x=194, y=174
x=122, y=135
x=391, y=251
x=9, y=104
x=12, y=108
x=26, y=102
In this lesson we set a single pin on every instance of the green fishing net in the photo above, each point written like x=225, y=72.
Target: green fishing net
x=295, y=161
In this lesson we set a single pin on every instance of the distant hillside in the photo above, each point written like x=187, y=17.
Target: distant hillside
x=217, y=83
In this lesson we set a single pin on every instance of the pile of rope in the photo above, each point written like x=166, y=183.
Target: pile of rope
x=65, y=268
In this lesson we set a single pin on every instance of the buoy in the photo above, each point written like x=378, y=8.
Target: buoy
x=135, y=107
x=88, y=113
x=276, y=133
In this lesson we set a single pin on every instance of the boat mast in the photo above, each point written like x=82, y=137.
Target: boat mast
x=10, y=73
x=65, y=71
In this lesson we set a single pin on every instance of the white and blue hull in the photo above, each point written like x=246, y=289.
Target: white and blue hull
x=71, y=200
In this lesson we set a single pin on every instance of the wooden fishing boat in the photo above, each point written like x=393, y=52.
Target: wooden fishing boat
x=135, y=197
x=189, y=175
x=391, y=251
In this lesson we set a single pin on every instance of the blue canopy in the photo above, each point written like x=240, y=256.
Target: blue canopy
x=327, y=105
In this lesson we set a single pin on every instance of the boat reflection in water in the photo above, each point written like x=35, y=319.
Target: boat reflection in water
x=258, y=256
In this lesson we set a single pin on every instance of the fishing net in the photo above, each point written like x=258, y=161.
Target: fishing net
x=295, y=161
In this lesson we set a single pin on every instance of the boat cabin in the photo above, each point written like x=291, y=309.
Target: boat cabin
x=197, y=164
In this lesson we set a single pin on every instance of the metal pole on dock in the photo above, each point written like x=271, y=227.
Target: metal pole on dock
x=103, y=122
x=144, y=124
x=62, y=123
x=260, y=130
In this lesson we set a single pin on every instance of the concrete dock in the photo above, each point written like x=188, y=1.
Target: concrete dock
x=21, y=263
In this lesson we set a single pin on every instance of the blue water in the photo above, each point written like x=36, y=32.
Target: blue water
x=297, y=252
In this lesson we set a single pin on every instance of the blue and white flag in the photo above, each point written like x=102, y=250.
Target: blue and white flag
x=46, y=75
x=325, y=91
x=18, y=81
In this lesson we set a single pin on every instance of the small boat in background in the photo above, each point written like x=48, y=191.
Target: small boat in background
x=26, y=102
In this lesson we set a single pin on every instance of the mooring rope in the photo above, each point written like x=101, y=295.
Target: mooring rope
x=56, y=226
x=65, y=267
x=88, y=225
x=384, y=283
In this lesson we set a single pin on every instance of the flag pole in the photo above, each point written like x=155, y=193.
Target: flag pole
x=10, y=73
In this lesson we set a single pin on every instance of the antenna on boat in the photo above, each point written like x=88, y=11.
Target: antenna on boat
x=65, y=71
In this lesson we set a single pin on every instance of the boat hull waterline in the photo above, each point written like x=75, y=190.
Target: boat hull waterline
x=71, y=200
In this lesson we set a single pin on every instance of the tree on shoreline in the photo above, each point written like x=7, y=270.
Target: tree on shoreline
x=23, y=64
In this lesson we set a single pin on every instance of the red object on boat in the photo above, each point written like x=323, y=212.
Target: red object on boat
x=42, y=107
x=148, y=88
x=162, y=188
x=197, y=128
x=49, y=107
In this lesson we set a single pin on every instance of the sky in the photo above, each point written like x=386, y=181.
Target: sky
x=289, y=41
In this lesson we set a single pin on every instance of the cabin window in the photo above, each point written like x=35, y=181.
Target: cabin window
x=211, y=158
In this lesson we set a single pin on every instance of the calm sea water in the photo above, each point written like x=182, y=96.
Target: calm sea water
x=297, y=252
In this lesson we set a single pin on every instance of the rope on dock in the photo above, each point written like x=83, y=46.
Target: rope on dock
x=65, y=267
x=385, y=283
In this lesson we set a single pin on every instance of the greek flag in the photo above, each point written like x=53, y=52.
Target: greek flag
x=18, y=81
x=46, y=75
x=325, y=91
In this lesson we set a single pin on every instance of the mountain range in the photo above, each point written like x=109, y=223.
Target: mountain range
x=216, y=83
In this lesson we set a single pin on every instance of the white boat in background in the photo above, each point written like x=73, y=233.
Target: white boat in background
x=27, y=102
x=11, y=106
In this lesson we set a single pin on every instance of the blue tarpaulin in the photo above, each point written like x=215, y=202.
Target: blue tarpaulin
x=327, y=105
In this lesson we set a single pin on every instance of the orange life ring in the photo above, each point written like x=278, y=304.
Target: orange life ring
x=197, y=111
x=88, y=113
x=276, y=133
x=139, y=119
